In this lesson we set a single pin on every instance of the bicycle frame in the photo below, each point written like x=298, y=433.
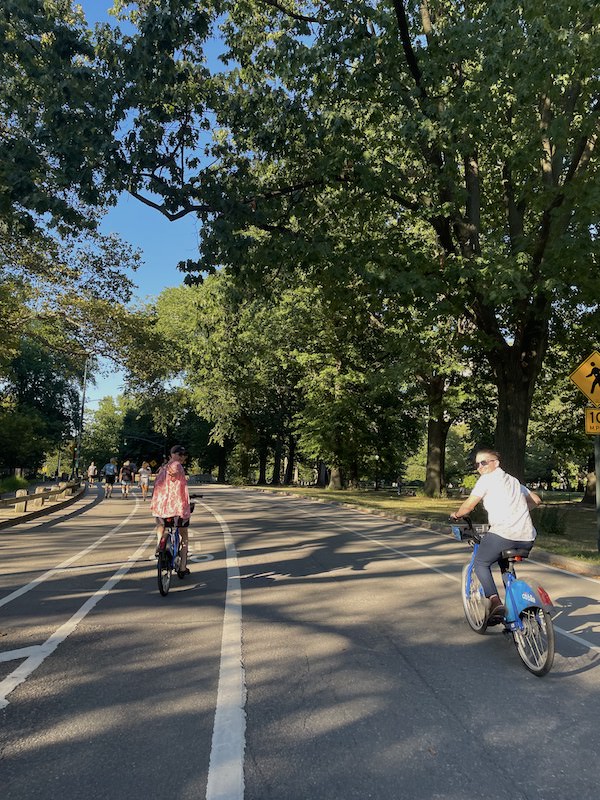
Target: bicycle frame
x=172, y=543
x=519, y=595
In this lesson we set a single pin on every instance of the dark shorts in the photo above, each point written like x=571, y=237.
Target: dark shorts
x=110, y=479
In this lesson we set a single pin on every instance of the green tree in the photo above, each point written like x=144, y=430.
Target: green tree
x=39, y=402
x=55, y=113
x=455, y=144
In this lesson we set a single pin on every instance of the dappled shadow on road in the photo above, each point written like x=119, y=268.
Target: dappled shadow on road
x=577, y=626
x=363, y=678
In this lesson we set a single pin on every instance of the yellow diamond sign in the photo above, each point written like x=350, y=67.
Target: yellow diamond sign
x=587, y=378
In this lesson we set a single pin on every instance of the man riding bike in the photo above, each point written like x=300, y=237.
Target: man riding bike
x=508, y=503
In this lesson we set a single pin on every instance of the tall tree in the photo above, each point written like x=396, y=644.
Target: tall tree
x=455, y=143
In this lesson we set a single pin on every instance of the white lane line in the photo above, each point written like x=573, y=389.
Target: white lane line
x=226, y=766
x=44, y=577
x=22, y=652
x=574, y=637
x=42, y=652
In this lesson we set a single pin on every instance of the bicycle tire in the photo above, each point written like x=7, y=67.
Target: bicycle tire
x=535, y=643
x=473, y=601
x=165, y=570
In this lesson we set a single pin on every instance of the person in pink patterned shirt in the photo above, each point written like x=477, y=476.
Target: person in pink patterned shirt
x=170, y=498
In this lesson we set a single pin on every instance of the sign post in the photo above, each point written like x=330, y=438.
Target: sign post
x=597, y=468
x=587, y=379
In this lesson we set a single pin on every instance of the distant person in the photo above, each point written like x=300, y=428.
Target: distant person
x=92, y=471
x=170, y=498
x=126, y=478
x=109, y=471
x=145, y=474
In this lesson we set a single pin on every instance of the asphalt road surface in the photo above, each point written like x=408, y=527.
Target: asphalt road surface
x=314, y=653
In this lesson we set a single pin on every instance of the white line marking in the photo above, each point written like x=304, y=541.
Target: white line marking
x=579, y=639
x=226, y=766
x=23, y=652
x=64, y=564
x=31, y=663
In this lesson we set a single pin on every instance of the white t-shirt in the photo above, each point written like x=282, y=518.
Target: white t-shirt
x=504, y=499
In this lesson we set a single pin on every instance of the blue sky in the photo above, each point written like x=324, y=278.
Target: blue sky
x=162, y=243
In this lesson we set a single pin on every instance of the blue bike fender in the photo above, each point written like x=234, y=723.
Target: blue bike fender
x=521, y=596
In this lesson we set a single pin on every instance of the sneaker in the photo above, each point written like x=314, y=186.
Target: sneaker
x=495, y=610
x=182, y=573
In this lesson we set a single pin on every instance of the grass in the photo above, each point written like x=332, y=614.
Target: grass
x=579, y=538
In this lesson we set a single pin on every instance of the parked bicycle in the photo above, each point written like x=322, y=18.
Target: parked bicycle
x=169, y=558
x=526, y=616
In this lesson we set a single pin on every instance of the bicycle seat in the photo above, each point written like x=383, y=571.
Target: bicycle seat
x=518, y=553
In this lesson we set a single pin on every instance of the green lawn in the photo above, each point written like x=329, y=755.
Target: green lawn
x=564, y=526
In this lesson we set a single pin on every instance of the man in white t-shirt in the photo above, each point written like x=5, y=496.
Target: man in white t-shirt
x=507, y=503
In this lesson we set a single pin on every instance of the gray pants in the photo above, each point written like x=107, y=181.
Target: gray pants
x=488, y=553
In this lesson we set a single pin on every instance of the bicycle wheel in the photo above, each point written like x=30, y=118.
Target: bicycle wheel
x=473, y=601
x=535, y=643
x=165, y=571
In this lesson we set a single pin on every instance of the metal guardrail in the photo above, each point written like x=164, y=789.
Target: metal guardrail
x=24, y=501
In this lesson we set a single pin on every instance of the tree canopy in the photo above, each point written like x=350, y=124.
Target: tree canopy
x=449, y=149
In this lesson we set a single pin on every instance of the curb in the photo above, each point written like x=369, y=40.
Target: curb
x=564, y=563
x=41, y=512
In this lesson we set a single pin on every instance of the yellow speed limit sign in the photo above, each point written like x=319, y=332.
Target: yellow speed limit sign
x=592, y=421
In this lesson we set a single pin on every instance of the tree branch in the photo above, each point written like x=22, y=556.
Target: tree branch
x=409, y=53
x=187, y=209
x=294, y=15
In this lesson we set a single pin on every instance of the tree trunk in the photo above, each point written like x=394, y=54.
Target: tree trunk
x=437, y=434
x=515, y=392
x=322, y=476
x=336, y=481
x=589, y=495
x=353, y=474
x=276, y=478
x=291, y=458
x=244, y=464
x=262, y=463
x=222, y=465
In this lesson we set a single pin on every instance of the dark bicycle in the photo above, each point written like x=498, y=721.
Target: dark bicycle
x=169, y=558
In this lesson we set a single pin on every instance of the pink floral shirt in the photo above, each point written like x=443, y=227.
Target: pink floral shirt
x=170, y=497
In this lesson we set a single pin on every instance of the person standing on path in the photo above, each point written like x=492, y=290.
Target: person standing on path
x=145, y=473
x=92, y=471
x=109, y=471
x=125, y=478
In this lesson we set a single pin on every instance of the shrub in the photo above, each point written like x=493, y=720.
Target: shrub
x=11, y=483
x=549, y=520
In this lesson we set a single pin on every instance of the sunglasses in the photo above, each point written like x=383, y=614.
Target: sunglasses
x=484, y=463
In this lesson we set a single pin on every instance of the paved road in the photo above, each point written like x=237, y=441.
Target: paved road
x=359, y=676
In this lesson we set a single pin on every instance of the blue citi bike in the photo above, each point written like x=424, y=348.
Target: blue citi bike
x=526, y=617
x=169, y=559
